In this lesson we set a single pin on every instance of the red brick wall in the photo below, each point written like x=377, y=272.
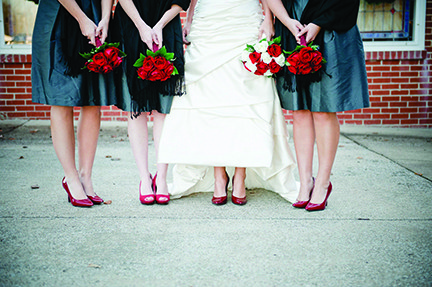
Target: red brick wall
x=399, y=82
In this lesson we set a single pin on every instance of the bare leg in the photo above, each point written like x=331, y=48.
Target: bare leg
x=162, y=168
x=327, y=137
x=63, y=137
x=221, y=180
x=239, y=189
x=304, y=140
x=138, y=137
x=87, y=134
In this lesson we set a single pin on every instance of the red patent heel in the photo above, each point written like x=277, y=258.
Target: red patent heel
x=302, y=204
x=95, y=199
x=148, y=198
x=223, y=199
x=75, y=202
x=235, y=199
x=320, y=206
x=160, y=198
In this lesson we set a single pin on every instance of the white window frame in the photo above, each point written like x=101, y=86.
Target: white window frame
x=419, y=30
x=15, y=49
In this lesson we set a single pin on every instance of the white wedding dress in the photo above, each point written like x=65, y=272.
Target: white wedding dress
x=228, y=116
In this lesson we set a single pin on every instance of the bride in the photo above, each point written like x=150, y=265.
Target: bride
x=229, y=120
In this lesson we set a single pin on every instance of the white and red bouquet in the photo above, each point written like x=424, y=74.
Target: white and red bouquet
x=156, y=66
x=265, y=58
x=104, y=58
x=305, y=59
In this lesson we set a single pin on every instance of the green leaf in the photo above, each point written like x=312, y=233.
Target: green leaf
x=139, y=62
x=150, y=53
x=170, y=56
x=175, y=72
x=277, y=40
x=250, y=48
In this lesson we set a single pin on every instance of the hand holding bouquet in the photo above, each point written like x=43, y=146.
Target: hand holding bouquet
x=104, y=58
x=265, y=58
x=156, y=66
x=304, y=59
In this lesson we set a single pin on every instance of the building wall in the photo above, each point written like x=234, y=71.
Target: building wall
x=399, y=82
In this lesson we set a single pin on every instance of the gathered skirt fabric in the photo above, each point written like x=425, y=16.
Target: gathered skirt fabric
x=343, y=85
x=228, y=116
x=50, y=83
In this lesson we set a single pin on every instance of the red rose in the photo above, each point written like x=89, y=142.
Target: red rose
x=117, y=62
x=304, y=69
x=261, y=68
x=156, y=75
x=292, y=69
x=107, y=69
x=254, y=57
x=92, y=67
x=169, y=69
x=99, y=59
x=293, y=59
x=306, y=54
x=317, y=58
x=274, y=67
x=274, y=50
x=142, y=73
x=160, y=62
x=111, y=53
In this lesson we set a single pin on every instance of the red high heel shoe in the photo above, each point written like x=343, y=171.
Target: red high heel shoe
x=320, y=206
x=302, y=204
x=237, y=200
x=76, y=202
x=223, y=199
x=160, y=198
x=148, y=198
x=95, y=199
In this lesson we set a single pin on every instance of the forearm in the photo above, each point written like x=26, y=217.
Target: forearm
x=169, y=15
x=268, y=15
x=107, y=9
x=130, y=9
x=278, y=9
x=191, y=11
x=72, y=7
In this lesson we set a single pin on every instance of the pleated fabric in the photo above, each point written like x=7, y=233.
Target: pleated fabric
x=228, y=116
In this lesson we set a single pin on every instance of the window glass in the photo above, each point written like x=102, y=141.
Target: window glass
x=18, y=21
x=386, y=20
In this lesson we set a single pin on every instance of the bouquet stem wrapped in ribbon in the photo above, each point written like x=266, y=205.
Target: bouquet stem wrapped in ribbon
x=104, y=58
x=305, y=59
x=156, y=66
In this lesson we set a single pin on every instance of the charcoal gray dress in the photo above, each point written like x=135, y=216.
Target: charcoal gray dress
x=52, y=82
x=342, y=85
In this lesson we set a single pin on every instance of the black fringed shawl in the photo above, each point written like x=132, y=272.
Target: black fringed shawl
x=333, y=15
x=72, y=40
x=144, y=93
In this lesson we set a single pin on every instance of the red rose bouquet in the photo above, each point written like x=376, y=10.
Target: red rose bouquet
x=265, y=58
x=156, y=66
x=104, y=58
x=304, y=59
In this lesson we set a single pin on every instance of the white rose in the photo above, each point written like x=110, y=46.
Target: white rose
x=248, y=64
x=261, y=47
x=280, y=60
x=266, y=58
x=268, y=73
x=245, y=56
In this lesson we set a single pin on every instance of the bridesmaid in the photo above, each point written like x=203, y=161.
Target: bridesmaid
x=316, y=98
x=63, y=29
x=141, y=25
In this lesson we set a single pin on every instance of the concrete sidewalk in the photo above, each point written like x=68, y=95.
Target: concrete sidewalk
x=376, y=230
